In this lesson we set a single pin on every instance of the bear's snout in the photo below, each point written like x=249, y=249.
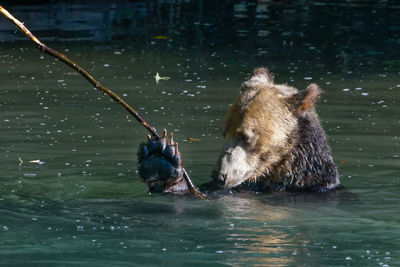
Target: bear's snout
x=232, y=166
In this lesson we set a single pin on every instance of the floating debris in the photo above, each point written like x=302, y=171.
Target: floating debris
x=36, y=161
x=160, y=37
x=158, y=78
x=193, y=139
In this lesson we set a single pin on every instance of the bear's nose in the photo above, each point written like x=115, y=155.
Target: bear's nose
x=219, y=177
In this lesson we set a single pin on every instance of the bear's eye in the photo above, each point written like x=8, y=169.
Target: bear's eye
x=244, y=138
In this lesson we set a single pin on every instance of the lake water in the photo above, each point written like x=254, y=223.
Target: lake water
x=80, y=201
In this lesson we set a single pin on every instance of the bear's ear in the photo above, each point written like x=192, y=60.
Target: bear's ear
x=308, y=99
x=263, y=75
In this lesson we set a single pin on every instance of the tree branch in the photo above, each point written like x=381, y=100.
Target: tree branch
x=45, y=49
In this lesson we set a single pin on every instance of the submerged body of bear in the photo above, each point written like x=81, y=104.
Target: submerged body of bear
x=273, y=141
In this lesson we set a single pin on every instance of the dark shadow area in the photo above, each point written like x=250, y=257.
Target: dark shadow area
x=347, y=33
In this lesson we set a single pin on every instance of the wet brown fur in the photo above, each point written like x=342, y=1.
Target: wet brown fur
x=282, y=132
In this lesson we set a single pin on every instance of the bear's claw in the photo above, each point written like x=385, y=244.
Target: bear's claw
x=160, y=163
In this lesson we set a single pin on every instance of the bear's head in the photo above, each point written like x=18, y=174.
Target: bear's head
x=261, y=128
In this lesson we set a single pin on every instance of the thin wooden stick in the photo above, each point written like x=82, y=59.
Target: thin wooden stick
x=45, y=49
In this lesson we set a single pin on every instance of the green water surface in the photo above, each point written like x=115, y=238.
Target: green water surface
x=82, y=203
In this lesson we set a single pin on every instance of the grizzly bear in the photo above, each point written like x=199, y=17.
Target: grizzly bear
x=273, y=141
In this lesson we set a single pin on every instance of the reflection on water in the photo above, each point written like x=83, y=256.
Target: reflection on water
x=84, y=203
x=261, y=238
